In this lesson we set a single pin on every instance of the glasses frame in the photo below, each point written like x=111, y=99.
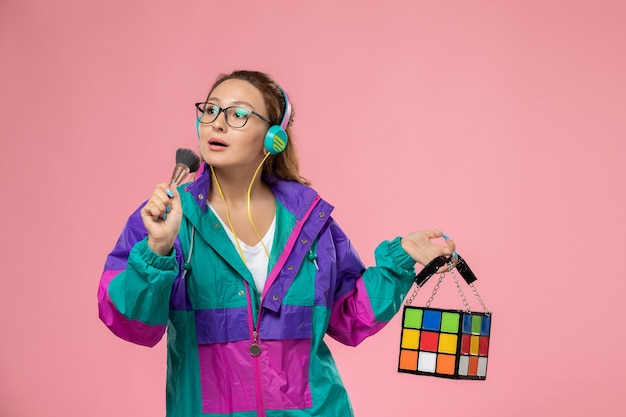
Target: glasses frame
x=201, y=111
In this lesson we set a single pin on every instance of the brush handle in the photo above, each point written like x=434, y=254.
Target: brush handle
x=180, y=172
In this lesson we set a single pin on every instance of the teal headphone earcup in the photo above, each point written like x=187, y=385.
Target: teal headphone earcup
x=275, y=140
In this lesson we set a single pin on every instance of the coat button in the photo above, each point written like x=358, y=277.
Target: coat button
x=321, y=214
x=200, y=196
x=304, y=241
x=290, y=268
x=240, y=293
x=275, y=298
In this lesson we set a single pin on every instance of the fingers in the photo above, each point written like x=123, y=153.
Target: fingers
x=434, y=233
x=161, y=217
x=423, y=248
x=450, y=248
x=159, y=204
x=449, y=251
x=174, y=196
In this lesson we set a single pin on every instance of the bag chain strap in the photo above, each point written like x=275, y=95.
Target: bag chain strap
x=459, y=290
x=480, y=300
x=416, y=290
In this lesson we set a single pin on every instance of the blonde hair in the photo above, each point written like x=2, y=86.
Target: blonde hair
x=285, y=164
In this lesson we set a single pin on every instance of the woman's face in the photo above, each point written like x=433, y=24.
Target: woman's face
x=223, y=146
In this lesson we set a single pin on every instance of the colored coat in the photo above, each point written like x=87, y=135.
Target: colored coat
x=209, y=305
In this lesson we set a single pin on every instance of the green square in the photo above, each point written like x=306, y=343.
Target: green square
x=413, y=318
x=476, y=324
x=450, y=322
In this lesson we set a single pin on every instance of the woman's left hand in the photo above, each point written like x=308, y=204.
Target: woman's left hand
x=420, y=246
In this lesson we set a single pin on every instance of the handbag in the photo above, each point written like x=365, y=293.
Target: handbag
x=445, y=343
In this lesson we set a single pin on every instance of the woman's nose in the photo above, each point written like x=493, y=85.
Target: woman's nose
x=220, y=122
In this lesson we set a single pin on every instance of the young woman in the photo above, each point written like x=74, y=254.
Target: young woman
x=247, y=270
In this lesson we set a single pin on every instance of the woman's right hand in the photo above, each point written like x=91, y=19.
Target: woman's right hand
x=421, y=247
x=161, y=216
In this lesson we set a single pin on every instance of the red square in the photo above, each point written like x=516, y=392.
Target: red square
x=483, y=346
x=465, y=344
x=429, y=341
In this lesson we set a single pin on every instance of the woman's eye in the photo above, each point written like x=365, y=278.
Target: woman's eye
x=211, y=109
x=241, y=113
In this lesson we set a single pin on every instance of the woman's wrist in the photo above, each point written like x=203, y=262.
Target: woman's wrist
x=162, y=248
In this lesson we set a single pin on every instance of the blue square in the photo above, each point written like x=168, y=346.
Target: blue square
x=432, y=320
x=467, y=323
x=485, y=326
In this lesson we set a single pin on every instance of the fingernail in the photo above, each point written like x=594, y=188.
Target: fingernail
x=164, y=216
x=444, y=235
x=168, y=209
x=455, y=255
x=169, y=193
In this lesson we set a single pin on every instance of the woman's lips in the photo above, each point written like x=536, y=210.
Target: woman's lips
x=217, y=144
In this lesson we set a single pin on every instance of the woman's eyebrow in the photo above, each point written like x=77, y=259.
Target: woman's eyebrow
x=236, y=102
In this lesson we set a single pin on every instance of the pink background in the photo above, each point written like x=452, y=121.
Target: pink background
x=501, y=122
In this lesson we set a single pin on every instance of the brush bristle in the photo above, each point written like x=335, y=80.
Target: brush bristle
x=189, y=158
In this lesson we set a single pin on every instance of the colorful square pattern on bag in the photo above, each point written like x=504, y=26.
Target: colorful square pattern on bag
x=444, y=343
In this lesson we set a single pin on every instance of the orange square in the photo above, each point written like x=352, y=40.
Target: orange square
x=408, y=360
x=473, y=366
x=446, y=364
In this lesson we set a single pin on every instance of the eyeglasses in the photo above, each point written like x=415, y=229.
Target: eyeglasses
x=235, y=116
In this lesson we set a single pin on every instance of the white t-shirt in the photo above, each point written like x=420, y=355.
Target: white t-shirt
x=255, y=257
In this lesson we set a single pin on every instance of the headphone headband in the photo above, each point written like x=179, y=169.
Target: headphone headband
x=287, y=112
x=276, y=136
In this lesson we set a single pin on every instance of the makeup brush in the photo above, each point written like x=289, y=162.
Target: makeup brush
x=186, y=162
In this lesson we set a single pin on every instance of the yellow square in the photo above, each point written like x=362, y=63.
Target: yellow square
x=448, y=343
x=410, y=338
x=474, y=344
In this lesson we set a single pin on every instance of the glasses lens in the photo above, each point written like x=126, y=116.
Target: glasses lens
x=237, y=116
x=207, y=112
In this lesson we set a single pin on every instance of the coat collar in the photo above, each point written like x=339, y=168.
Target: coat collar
x=294, y=196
